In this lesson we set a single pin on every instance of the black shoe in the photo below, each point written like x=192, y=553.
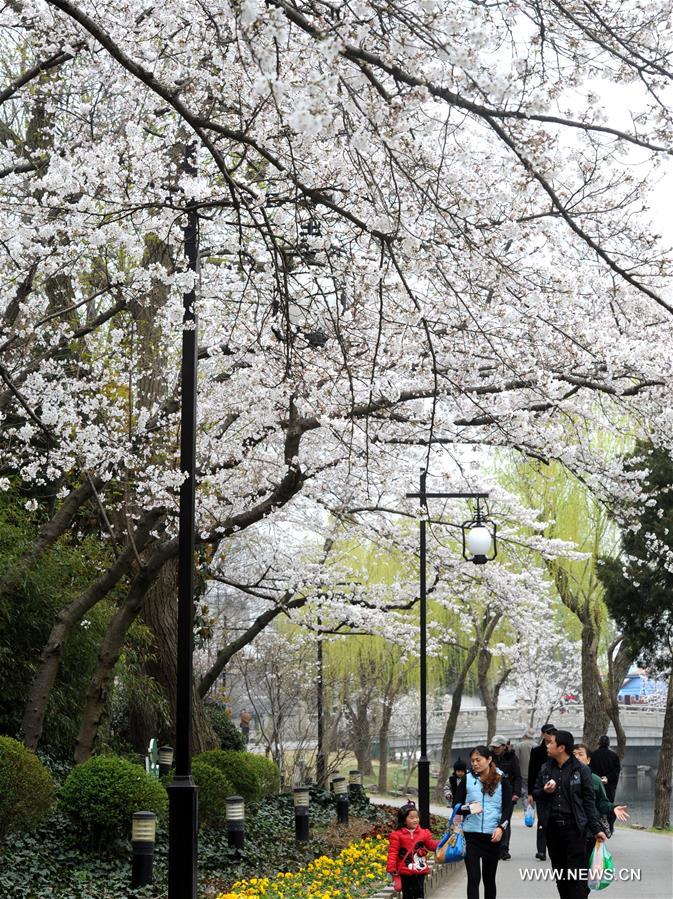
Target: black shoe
x=505, y=855
x=541, y=856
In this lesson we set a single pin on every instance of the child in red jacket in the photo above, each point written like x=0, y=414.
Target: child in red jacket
x=407, y=852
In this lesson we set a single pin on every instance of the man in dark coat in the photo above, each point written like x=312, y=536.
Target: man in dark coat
x=506, y=760
x=539, y=757
x=566, y=809
x=605, y=763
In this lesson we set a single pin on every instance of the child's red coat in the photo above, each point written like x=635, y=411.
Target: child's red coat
x=403, y=844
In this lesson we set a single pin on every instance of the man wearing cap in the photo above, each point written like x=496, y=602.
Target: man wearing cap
x=567, y=810
x=538, y=757
x=506, y=760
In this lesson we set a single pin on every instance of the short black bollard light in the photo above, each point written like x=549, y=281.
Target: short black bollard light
x=341, y=793
x=301, y=801
x=165, y=760
x=355, y=784
x=235, y=821
x=143, y=836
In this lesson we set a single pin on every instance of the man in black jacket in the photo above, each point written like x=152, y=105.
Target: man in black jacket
x=566, y=809
x=539, y=757
x=508, y=763
x=605, y=763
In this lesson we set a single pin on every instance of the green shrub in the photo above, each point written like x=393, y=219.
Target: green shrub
x=213, y=791
x=237, y=769
x=26, y=788
x=103, y=793
x=267, y=773
x=227, y=733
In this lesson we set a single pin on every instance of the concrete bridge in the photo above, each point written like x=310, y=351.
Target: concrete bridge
x=643, y=727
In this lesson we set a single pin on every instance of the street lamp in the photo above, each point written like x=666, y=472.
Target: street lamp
x=479, y=546
x=182, y=791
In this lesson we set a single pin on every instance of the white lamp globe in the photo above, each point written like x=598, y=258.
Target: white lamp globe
x=478, y=541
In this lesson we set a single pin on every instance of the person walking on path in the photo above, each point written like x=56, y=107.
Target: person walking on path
x=564, y=794
x=451, y=785
x=603, y=805
x=484, y=798
x=508, y=763
x=538, y=758
x=605, y=763
x=407, y=852
x=523, y=751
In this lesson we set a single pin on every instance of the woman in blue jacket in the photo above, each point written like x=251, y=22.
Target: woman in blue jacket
x=485, y=800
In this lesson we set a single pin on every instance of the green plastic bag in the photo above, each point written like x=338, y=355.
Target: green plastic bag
x=601, y=868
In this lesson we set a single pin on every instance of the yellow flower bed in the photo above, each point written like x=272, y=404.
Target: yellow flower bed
x=354, y=872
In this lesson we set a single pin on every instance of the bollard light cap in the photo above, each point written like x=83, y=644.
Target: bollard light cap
x=301, y=796
x=235, y=806
x=144, y=827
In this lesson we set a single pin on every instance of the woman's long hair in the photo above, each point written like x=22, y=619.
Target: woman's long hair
x=492, y=778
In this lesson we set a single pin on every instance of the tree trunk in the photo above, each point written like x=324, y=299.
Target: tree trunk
x=108, y=655
x=595, y=717
x=96, y=697
x=483, y=666
x=160, y=612
x=619, y=662
x=662, y=784
x=68, y=617
x=384, y=731
x=452, y=721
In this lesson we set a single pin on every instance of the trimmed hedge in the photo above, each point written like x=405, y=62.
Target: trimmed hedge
x=26, y=788
x=213, y=791
x=102, y=794
x=268, y=774
x=238, y=770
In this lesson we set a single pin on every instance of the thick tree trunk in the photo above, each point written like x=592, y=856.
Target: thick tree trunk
x=595, y=717
x=108, y=655
x=359, y=720
x=452, y=721
x=67, y=619
x=662, y=784
x=160, y=612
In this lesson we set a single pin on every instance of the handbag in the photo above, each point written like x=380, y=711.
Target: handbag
x=451, y=847
x=397, y=883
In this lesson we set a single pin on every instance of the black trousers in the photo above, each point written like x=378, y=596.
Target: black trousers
x=481, y=861
x=567, y=852
x=541, y=840
x=413, y=886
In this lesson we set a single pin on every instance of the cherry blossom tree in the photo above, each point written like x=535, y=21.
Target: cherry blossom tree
x=419, y=232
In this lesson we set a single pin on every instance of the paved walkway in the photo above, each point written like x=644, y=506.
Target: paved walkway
x=651, y=853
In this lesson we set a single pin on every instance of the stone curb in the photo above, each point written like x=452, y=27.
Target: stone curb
x=438, y=875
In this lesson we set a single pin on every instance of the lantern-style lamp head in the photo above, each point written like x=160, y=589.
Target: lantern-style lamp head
x=479, y=539
x=340, y=786
x=301, y=796
x=143, y=827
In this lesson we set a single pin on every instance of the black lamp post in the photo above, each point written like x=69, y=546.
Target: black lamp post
x=478, y=540
x=182, y=792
